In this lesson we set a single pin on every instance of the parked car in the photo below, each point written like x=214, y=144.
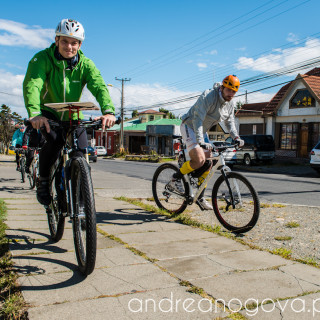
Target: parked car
x=229, y=155
x=257, y=147
x=315, y=158
x=101, y=150
x=92, y=152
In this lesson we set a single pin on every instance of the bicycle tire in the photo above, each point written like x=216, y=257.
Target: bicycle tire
x=56, y=220
x=23, y=170
x=165, y=199
x=84, y=219
x=244, y=216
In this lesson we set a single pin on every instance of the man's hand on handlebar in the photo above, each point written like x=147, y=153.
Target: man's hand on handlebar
x=38, y=122
x=239, y=142
x=108, y=120
x=206, y=145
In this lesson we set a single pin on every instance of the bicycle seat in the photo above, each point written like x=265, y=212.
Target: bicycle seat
x=74, y=106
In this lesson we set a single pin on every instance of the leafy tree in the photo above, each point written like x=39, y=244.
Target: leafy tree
x=169, y=114
x=238, y=106
x=8, y=120
x=134, y=113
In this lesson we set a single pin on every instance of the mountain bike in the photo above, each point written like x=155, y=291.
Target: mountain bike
x=71, y=188
x=234, y=199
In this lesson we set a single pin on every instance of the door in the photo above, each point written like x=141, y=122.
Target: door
x=303, y=151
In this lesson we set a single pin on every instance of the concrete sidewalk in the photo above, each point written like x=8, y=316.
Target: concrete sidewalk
x=155, y=269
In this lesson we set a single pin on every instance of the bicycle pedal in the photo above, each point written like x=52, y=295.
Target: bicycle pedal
x=200, y=205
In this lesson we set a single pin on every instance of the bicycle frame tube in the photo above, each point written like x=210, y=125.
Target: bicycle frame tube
x=220, y=165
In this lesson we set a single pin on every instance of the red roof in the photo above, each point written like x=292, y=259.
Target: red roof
x=311, y=79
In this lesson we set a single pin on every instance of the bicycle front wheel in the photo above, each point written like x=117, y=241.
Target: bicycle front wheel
x=56, y=219
x=165, y=196
x=84, y=219
x=23, y=170
x=236, y=206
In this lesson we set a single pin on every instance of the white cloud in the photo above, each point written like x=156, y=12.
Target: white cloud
x=11, y=92
x=202, y=65
x=292, y=37
x=282, y=57
x=212, y=52
x=18, y=34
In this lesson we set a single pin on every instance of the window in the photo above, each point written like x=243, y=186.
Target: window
x=289, y=134
x=151, y=118
x=301, y=99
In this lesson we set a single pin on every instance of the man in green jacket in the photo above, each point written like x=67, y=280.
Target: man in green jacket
x=55, y=75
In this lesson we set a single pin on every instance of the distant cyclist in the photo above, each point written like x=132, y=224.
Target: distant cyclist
x=33, y=139
x=16, y=142
x=212, y=107
x=59, y=74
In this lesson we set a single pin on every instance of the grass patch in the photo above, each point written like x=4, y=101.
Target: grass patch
x=278, y=205
x=283, y=252
x=12, y=303
x=284, y=238
x=292, y=224
x=264, y=205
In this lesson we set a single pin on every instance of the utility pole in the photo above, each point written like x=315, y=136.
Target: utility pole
x=122, y=112
x=246, y=100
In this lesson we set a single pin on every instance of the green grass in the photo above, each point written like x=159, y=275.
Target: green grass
x=12, y=303
x=292, y=224
x=283, y=238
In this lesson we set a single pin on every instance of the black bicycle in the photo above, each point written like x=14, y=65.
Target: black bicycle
x=71, y=189
x=22, y=163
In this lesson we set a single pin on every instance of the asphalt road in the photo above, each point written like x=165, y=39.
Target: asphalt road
x=290, y=187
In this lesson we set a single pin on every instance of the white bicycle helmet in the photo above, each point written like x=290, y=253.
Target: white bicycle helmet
x=70, y=28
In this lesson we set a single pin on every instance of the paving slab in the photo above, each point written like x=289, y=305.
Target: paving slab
x=55, y=288
x=163, y=237
x=188, y=248
x=174, y=303
x=303, y=308
x=236, y=288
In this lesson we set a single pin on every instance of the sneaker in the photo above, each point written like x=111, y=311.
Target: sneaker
x=43, y=193
x=205, y=204
x=176, y=185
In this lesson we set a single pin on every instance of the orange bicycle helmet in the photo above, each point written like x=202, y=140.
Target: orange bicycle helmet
x=231, y=82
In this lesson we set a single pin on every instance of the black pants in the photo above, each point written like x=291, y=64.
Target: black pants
x=17, y=154
x=54, y=142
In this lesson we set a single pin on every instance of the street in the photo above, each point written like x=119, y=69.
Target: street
x=278, y=188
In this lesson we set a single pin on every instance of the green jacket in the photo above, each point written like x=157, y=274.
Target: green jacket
x=48, y=81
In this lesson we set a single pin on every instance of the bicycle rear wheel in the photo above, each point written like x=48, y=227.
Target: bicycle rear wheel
x=238, y=210
x=56, y=219
x=23, y=169
x=165, y=197
x=84, y=219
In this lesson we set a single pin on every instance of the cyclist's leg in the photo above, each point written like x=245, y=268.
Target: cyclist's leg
x=48, y=154
x=18, y=157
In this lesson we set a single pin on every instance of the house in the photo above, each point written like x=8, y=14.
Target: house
x=292, y=116
x=136, y=137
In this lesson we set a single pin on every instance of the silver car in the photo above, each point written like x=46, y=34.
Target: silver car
x=315, y=158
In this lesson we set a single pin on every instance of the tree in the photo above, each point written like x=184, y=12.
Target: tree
x=134, y=113
x=7, y=121
x=238, y=106
x=169, y=114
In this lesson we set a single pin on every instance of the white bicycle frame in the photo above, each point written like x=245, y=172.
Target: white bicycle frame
x=219, y=165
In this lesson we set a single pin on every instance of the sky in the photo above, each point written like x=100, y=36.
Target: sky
x=171, y=50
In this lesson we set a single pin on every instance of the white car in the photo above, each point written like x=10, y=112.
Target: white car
x=315, y=158
x=229, y=154
x=101, y=150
